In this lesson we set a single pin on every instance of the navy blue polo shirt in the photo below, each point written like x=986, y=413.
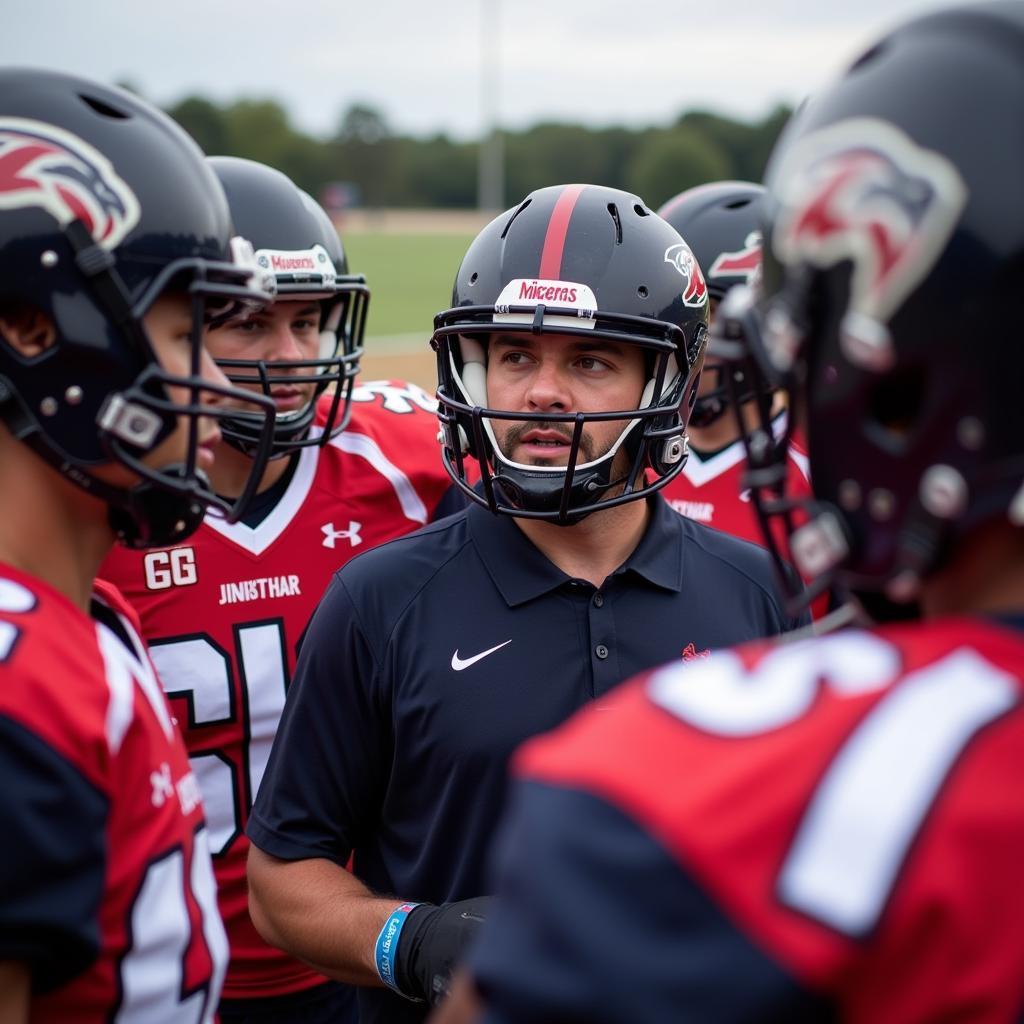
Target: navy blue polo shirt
x=432, y=657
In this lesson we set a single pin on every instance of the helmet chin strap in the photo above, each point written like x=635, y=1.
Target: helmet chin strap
x=707, y=411
x=150, y=516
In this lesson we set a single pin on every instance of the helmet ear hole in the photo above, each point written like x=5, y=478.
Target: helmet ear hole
x=896, y=402
x=27, y=330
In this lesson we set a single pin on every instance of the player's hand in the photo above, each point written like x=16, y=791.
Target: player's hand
x=432, y=943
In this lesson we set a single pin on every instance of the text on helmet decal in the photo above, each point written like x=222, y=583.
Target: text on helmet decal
x=47, y=167
x=695, y=291
x=575, y=303
x=862, y=190
x=299, y=266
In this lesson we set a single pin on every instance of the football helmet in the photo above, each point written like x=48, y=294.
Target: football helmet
x=105, y=205
x=893, y=293
x=298, y=245
x=576, y=260
x=722, y=223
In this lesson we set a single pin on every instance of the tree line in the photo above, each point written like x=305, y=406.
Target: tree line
x=386, y=168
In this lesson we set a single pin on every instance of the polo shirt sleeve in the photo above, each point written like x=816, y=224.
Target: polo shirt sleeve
x=325, y=779
x=596, y=921
x=790, y=622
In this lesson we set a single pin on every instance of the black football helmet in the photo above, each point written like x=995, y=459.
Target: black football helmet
x=298, y=245
x=105, y=205
x=893, y=294
x=722, y=223
x=578, y=260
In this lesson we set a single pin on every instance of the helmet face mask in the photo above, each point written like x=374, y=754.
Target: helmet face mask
x=892, y=291
x=650, y=433
x=621, y=280
x=298, y=248
x=91, y=240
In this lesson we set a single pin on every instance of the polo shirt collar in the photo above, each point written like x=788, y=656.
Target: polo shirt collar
x=521, y=572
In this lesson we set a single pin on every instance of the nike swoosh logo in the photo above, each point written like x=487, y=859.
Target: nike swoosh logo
x=460, y=663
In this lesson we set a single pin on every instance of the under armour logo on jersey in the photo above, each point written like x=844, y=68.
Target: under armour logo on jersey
x=163, y=786
x=331, y=534
x=690, y=653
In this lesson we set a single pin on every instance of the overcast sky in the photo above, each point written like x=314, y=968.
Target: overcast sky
x=634, y=62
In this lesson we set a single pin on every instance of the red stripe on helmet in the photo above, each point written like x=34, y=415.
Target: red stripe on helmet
x=558, y=228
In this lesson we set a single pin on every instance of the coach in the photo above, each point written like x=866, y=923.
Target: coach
x=567, y=368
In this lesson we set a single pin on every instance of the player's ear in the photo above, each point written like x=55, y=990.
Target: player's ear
x=27, y=330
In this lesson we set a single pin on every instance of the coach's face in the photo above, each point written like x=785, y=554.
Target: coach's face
x=558, y=373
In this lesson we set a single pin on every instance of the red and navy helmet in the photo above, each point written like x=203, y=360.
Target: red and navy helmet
x=893, y=295
x=573, y=260
x=105, y=205
x=722, y=223
x=297, y=244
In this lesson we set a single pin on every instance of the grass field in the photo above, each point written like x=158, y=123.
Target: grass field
x=410, y=277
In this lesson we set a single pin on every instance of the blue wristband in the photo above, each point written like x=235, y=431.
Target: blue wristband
x=387, y=945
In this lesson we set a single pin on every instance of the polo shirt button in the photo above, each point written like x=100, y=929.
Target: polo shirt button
x=601, y=651
x=599, y=599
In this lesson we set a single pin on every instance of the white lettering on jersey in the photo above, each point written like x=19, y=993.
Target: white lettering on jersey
x=154, y=973
x=175, y=568
x=259, y=589
x=13, y=598
x=198, y=669
x=186, y=789
x=395, y=398
x=702, y=511
x=878, y=790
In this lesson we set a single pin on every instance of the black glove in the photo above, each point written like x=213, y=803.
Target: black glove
x=432, y=943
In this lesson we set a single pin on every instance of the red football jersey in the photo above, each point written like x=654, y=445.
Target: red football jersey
x=710, y=490
x=106, y=885
x=224, y=611
x=850, y=803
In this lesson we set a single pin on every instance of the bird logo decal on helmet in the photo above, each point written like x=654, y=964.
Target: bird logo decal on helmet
x=696, y=290
x=889, y=206
x=50, y=168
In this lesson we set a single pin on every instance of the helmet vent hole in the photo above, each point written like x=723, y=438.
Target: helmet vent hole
x=738, y=204
x=473, y=277
x=642, y=291
x=511, y=219
x=104, y=109
x=868, y=57
x=614, y=211
x=641, y=211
